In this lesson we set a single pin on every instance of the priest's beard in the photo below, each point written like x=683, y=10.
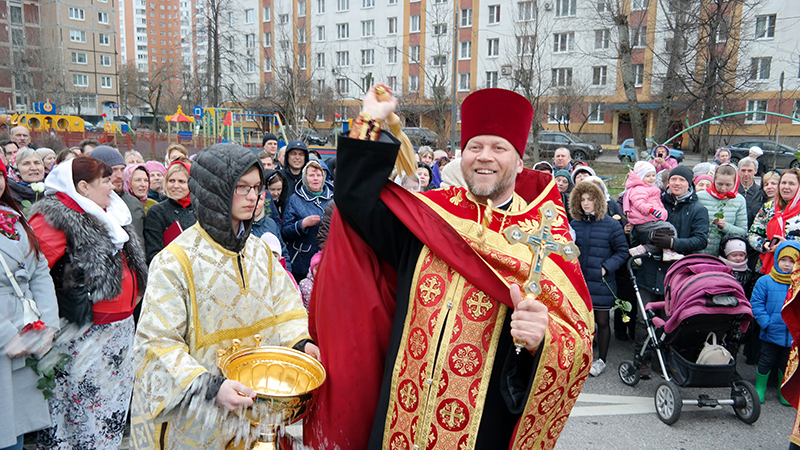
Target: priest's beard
x=482, y=193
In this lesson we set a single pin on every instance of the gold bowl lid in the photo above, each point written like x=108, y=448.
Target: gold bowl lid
x=275, y=372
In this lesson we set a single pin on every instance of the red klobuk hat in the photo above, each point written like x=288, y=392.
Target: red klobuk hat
x=497, y=112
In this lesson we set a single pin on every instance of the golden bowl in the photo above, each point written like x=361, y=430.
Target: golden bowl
x=286, y=381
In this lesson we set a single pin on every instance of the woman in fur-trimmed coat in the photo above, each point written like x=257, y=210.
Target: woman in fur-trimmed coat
x=604, y=249
x=99, y=271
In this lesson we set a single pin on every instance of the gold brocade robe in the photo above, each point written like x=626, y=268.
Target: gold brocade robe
x=197, y=301
x=437, y=397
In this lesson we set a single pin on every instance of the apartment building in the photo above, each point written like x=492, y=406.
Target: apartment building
x=20, y=46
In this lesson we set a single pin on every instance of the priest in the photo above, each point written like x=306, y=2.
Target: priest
x=419, y=344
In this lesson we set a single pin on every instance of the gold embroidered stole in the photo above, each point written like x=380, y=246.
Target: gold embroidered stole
x=448, y=348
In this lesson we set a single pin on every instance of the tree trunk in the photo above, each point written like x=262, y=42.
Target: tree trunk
x=628, y=83
x=671, y=81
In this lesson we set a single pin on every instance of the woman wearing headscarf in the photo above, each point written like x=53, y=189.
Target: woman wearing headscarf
x=24, y=407
x=48, y=158
x=136, y=181
x=99, y=272
x=425, y=176
x=302, y=217
x=727, y=209
x=779, y=223
x=27, y=170
x=177, y=208
x=157, y=172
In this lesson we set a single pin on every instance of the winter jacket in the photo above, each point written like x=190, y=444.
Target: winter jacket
x=669, y=163
x=690, y=220
x=602, y=244
x=137, y=212
x=755, y=197
x=302, y=242
x=159, y=218
x=21, y=191
x=640, y=199
x=734, y=211
x=767, y=302
x=757, y=235
x=325, y=224
x=292, y=179
x=267, y=225
x=24, y=407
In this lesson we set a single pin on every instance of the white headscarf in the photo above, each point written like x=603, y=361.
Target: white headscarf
x=114, y=217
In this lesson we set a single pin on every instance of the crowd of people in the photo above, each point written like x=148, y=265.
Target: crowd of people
x=124, y=277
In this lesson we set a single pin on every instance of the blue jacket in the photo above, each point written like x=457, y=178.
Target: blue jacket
x=767, y=302
x=603, y=245
x=268, y=225
x=302, y=242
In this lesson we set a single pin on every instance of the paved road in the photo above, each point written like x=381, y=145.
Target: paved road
x=611, y=415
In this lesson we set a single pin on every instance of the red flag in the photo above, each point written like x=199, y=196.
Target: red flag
x=228, y=119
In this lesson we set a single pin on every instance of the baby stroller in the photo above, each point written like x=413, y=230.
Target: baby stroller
x=701, y=297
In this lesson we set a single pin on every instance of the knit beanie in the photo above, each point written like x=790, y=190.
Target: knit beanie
x=702, y=177
x=684, y=172
x=108, y=155
x=642, y=168
x=563, y=173
x=268, y=137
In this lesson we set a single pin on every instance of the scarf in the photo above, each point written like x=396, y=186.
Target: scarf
x=128, y=176
x=114, y=217
x=730, y=194
x=775, y=273
x=737, y=267
x=776, y=227
x=185, y=201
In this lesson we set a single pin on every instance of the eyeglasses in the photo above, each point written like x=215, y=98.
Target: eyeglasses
x=244, y=190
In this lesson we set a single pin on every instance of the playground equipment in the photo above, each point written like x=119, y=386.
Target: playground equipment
x=177, y=119
x=46, y=122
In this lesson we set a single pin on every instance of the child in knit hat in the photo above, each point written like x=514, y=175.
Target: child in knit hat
x=307, y=283
x=642, y=205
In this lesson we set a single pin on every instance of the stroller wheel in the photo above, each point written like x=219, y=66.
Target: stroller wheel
x=747, y=406
x=668, y=402
x=628, y=373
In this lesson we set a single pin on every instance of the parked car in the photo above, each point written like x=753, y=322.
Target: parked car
x=305, y=134
x=785, y=154
x=626, y=150
x=420, y=136
x=549, y=141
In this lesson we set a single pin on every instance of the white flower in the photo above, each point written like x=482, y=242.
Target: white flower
x=37, y=187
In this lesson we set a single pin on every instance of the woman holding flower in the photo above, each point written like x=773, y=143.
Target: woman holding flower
x=99, y=272
x=777, y=222
x=727, y=209
x=24, y=407
x=25, y=178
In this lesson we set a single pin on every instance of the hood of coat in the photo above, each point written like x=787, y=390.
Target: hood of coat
x=587, y=187
x=269, y=175
x=212, y=180
x=780, y=253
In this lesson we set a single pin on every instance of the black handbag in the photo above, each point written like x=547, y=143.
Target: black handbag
x=74, y=299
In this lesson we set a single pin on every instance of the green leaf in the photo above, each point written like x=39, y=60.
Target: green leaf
x=47, y=393
x=51, y=384
x=42, y=383
x=50, y=374
x=31, y=362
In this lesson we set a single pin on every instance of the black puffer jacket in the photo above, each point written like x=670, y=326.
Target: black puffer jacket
x=212, y=180
x=690, y=220
x=159, y=218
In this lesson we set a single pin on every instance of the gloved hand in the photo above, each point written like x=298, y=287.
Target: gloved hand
x=655, y=213
x=662, y=238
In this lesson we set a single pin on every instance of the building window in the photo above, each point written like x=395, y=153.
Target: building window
x=367, y=57
x=320, y=60
x=320, y=6
x=599, y=75
x=283, y=18
x=392, y=25
x=301, y=9
x=301, y=35
x=102, y=18
x=342, y=87
x=494, y=14
x=439, y=60
x=466, y=17
x=565, y=8
x=796, y=112
x=341, y=114
x=759, y=68
x=320, y=116
x=638, y=75
x=765, y=27
x=413, y=83
x=465, y=50
x=491, y=80
x=563, y=42
x=639, y=4
x=105, y=82
x=755, y=116
x=392, y=2
x=463, y=81
x=251, y=89
x=103, y=38
x=367, y=28
x=267, y=64
x=80, y=80
x=342, y=5
x=250, y=40
x=392, y=55
x=601, y=39
x=494, y=47
x=249, y=16
x=343, y=59
x=638, y=37
x=525, y=45
x=439, y=29
x=595, y=113
x=602, y=6
x=77, y=14
x=557, y=113
x=301, y=62
x=342, y=31
x=562, y=76
x=392, y=83
x=367, y=3
x=78, y=58
x=525, y=11
x=321, y=34
x=17, y=37
x=413, y=53
x=414, y=24
x=77, y=36
x=266, y=13
x=267, y=39
x=105, y=60
x=250, y=65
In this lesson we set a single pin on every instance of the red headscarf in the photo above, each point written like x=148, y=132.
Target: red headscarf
x=730, y=194
x=777, y=225
x=185, y=201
